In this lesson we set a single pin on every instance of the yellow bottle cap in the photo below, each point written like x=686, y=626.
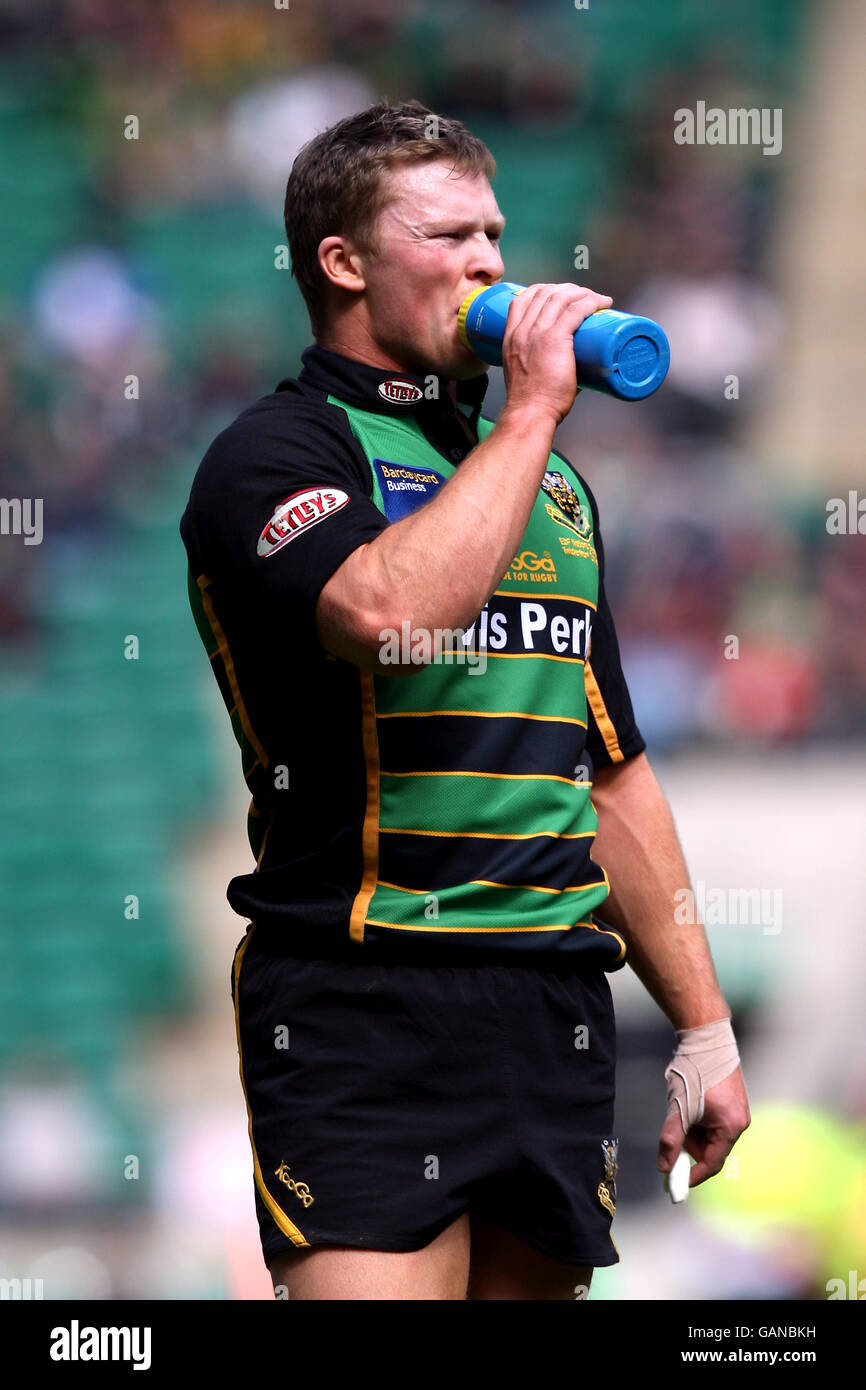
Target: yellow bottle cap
x=464, y=310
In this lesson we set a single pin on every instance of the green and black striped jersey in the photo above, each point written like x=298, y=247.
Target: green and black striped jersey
x=446, y=810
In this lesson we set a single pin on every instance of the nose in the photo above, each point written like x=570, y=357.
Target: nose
x=486, y=263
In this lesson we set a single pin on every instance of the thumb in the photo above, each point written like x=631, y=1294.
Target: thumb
x=670, y=1142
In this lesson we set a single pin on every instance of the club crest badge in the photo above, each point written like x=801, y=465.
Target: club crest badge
x=565, y=506
x=607, y=1187
x=610, y=1149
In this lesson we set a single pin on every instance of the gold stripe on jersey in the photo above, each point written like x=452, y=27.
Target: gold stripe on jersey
x=537, y=887
x=566, y=926
x=605, y=931
x=370, y=832
x=515, y=656
x=568, y=598
x=602, y=718
x=254, y=813
x=504, y=776
x=483, y=714
x=490, y=883
x=287, y=1227
x=400, y=926
x=486, y=834
x=228, y=662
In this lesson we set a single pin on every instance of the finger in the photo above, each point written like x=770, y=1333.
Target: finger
x=570, y=291
x=726, y=1111
x=574, y=303
x=670, y=1143
x=695, y=1142
x=542, y=308
x=712, y=1158
x=524, y=309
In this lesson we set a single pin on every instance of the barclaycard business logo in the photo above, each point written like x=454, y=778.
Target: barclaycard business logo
x=404, y=487
x=398, y=391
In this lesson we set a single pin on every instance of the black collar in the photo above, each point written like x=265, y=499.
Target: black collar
x=386, y=392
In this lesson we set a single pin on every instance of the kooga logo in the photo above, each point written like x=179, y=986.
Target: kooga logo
x=75, y=1343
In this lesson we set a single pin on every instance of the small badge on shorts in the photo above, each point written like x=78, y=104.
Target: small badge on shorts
x=610, y=1149
x=607, y=1187
x=300, y=1189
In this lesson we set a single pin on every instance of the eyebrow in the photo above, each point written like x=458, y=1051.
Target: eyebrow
x=495, y=223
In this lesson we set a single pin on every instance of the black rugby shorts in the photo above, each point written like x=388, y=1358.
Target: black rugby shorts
x=385, y=1099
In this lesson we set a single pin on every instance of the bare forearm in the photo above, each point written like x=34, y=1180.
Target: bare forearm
x=637, y=844
x=437, y=567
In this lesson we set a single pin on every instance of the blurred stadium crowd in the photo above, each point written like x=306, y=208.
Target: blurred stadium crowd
x=153, y=258
x=155, y=254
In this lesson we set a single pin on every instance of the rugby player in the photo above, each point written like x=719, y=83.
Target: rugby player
x=457, y=831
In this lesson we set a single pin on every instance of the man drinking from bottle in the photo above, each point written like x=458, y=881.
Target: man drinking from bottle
x=450, y=860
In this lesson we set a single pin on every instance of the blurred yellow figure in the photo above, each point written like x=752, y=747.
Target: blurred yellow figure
x=797, y=1186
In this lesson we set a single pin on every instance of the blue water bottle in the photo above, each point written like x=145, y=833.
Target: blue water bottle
x=622, y=354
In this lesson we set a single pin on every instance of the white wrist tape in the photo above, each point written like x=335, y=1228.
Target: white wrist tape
x=704, y=1056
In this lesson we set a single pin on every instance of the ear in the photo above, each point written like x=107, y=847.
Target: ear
x=342, y=263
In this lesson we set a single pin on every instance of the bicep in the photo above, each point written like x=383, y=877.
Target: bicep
x=345, y=621
x=286, y=524
x=349, y=621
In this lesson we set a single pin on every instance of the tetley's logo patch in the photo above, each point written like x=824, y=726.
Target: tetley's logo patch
x=405, y=488
x=397, y=391
x=298, y=513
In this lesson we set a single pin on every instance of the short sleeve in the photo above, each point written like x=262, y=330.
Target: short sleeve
x=281, y=498
x=612, y=733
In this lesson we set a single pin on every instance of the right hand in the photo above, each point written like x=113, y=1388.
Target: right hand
x=538, y=347
x=726, y=1116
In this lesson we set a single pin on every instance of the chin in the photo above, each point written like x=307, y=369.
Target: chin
x=459, y=363
x=467, y=371
x=468, y=367
x=454, y=362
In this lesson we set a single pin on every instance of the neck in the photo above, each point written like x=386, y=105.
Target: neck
x=360, y=351
x=351, y=339
x=350, y=335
